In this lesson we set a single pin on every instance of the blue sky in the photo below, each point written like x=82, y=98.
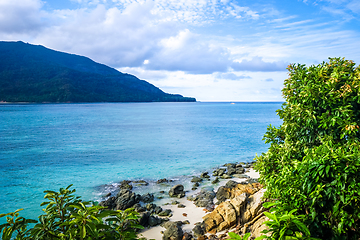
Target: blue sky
x=214, y=50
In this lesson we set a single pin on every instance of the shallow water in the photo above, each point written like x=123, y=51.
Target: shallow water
x=48, y=146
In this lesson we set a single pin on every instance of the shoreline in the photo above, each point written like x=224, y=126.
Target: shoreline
x=189, y=213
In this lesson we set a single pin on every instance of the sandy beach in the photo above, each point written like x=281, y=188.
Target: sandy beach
x=191, y=213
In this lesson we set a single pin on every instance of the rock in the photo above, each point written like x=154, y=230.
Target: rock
x=254, y=206
x=231, y=184
x=181, y=206
x=196, y=179
x=196, y=184
x=187, y=236
x=205, y=199
x=221, y=171
x=141, y=183
x=147, y=198
x=138, y=208
x=158, y=210
x=223, y=193
x=126, y=199
x=231, y=170
x=175, y=202
x=144, y=219
x=154, y=221
x=150, y=207
x=257, y=227
x=241, y=176
x=199, y=229
x=240, y=170
x=162, y=192
x=185, y=222
x=204, y=175
x=173, y=231
x=216, y=180
x=233, y=165
x=239, y=165
x=108, y=194
x=125, y=184
x=239, y=203
x=225, y=176
x=109, y=203
x=165, y=213
x=163, y=180
x=177, y=191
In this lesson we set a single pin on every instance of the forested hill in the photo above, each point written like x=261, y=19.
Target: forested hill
x=33, y=73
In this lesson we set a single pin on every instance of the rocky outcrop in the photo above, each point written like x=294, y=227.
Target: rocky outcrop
x=126, y=199
x=242, y=206
x=177, y=191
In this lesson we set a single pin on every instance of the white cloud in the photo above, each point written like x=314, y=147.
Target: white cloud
x=20, y=16
x=258, y=65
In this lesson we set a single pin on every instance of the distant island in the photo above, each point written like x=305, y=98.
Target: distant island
x=34, y=73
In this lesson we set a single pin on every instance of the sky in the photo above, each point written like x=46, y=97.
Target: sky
x=213, y=50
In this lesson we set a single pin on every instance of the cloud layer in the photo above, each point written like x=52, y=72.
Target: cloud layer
x=192, y=45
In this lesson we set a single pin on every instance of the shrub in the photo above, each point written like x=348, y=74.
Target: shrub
x=67, y=217
x=312, y=164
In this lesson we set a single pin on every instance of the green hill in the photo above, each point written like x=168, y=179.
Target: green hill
x=33, y=73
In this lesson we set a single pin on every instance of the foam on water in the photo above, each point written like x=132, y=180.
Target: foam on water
x=95, y=146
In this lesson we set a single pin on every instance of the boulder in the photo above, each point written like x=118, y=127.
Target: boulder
x=163, y=180
x=165, y=213
x=125, y=184
x=199, y=229
x=240, y=170
x=177, y=191
x=141, y=183
x=126, y=199
x=216, y=180
x=205, y=199
x=204, y=175
x=254, y=206
x=154, y=221
x=109, y=203
x=231, y=170
x=147, y=198
x=139, y=208
x=150, y=207
x=173, y=231
x=223, y=193
x=196, y=179
x=158, y=210
x=144, y=219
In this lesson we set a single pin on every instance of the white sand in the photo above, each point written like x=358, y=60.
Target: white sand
x=194, y=214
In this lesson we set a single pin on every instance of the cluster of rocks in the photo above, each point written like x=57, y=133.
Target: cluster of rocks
x=237, y=205
x=241, y=207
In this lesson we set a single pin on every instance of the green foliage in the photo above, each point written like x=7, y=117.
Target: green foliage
x=234, y=236
x=67, y=217
x=312, y=164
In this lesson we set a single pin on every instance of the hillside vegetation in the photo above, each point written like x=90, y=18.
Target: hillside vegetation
x=33, y=73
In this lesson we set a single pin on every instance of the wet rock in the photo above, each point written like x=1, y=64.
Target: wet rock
x=233, y=165
x=196, y=184
x=108, y=195
x=125, y=184
x=147, y=198
x=216, y=180
x=162, y=192
x=231, y=170
x=163, y=180
x=126, y=199
x=196, y=179
x=177, y=191
x=231, y=184
x=225, y=176
x=219, y=172
x=240, y=170
x=141, y=183
x=204, y=175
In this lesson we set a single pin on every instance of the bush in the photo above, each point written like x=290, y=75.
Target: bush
x=312, y=164
x=67, y=217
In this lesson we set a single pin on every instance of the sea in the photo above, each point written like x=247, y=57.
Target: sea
x=95, y=146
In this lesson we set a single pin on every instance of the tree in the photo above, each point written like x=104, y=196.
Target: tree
x=312, y=164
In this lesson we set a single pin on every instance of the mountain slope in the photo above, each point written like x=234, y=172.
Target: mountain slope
x=33, y=73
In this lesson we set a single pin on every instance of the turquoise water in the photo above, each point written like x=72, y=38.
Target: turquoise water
x=48, y=146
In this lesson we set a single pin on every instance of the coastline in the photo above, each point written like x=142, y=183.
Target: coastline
x=189, y=214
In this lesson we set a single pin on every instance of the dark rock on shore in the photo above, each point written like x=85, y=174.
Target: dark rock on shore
x=177, y=191
x=165, y=213
x=126, y=199
x=163, y=180
x=141, y=183
x=196, y=180
x=199, y=229
x=147, y=198
x=173, y=231
x=205, y=199
x=125, y=184
x=109, y=203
